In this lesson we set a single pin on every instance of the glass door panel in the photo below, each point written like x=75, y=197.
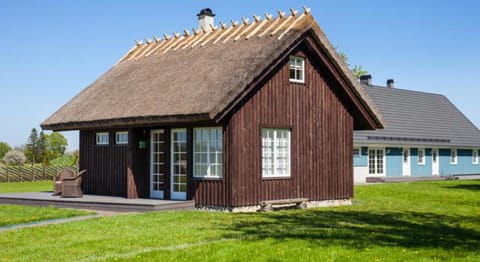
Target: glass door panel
x=157, y=163
x=179, y=164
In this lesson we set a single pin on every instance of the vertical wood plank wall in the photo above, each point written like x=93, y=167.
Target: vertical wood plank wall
x=214, y=191
x=321, y=138
x=321, y=125
x=138, y=173
x=106, y=166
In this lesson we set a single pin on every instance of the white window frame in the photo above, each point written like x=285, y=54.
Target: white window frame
x=376, y=167
x=102, y=142
x=120, y=134
x=299, y=67
x=270, y=170
x=214, y=167
x=475, y=156
x=453, y=156
x=421, y=160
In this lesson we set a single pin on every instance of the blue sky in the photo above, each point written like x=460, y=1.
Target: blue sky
x=51, y=50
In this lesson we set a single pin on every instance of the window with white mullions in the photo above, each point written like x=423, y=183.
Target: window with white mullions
x=207, y=151
x=375, y=161
x=121, y=138
x=275, y=152
x=475, y=156
x=421, y=156
x=102, y=138
x=297, y=69
x=453, y=156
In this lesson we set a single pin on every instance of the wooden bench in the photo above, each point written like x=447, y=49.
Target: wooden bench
x=268, y=205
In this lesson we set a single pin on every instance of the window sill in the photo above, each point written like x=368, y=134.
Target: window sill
x=277, y=178
x=297, y=82
x=207, y=178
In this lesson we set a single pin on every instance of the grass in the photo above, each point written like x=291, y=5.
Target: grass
x=19, y=187
x=422, y=221
x=15, y=214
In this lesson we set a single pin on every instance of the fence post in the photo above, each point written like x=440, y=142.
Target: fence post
x=8, y=178
x=33, y=174
x=21, y=174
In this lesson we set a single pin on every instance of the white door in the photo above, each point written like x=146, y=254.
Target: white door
x=158, y=165
x=178, y=167
x=376, y=162
x=435, y=163
x=406, y=162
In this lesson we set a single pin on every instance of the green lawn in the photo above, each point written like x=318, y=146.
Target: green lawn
x=18, y=187
x=422, y=221
x=15, y=214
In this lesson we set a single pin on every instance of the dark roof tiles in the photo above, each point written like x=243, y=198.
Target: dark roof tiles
x=418, y=118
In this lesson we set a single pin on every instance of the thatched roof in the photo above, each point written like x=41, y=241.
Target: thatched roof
x=194, y=76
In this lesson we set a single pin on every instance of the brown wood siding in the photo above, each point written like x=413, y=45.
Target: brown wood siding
x=321, y=137
x=211, y=191
x=106, y=165
x=138, y=164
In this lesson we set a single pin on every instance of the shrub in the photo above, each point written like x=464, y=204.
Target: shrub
x=14, y=157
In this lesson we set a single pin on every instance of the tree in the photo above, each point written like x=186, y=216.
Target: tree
x=31, y=149
x=76, y=157
x=14, y=157
x=357, y=70
x=42, y=149
x=4, y=148
x=57, y=144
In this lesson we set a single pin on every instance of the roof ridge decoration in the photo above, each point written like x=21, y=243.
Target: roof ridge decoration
x=221, y=34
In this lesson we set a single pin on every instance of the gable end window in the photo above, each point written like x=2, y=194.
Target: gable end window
x=121, y=138
x=475, y=156
x=102, y=138
x=207, y=152
x=297, y=69
x=421, y=156
x=453, y=156
x=275, y=152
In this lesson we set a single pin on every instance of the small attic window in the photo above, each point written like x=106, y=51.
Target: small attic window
x=297, y=69
x=102, y=138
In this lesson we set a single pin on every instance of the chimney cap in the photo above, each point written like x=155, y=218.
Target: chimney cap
x=206, y=11
x=365, y=77
x=390, y=83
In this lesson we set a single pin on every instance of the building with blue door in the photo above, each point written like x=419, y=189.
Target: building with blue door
x=425, y=135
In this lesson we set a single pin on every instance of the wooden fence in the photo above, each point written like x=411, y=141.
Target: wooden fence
x=29, y=173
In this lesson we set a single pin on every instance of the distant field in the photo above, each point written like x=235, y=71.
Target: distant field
x=423, y=221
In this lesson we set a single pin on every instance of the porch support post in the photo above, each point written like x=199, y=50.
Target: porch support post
x=131, y=185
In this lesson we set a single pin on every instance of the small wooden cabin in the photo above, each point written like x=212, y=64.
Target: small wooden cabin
x=226, y=115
